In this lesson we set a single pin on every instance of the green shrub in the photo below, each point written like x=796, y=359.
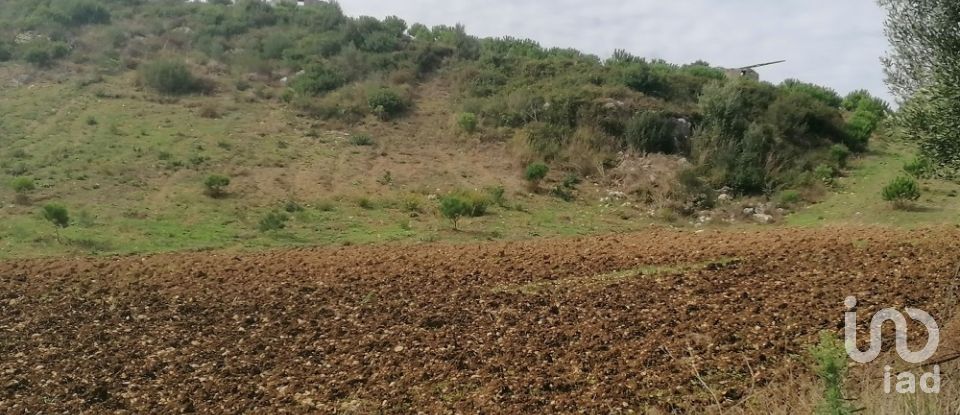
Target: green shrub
x=216, y=185
x=650, y=132
x=317, y=80
x=535, y=173
x=861, y=127
x=386, y=103
x=863, y=99
x=839, y=153
x=83, y=12
x=789, y=197
x=273, y=221
x=58, y=216
x=43, y=53
x=820, y=93
x=497, y=195
x=459, y=204
x=6, y=51
x=170, y=77
x=824, y=173
x=292, y=207
x=361, y=140
x=366, y=203
x=901, y=191
x=23, y=185
x=830, y=365
x=467, y=122
x=920, y=167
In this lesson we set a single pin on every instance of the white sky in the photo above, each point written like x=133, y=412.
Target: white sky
x=836, y=43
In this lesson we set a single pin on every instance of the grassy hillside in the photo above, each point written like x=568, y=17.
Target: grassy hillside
x=335, y=129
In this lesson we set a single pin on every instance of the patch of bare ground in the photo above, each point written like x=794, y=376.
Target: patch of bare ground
x=429, y=328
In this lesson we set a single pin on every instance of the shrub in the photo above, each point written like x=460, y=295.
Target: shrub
x=292, y=207
x=535, y=173
x=317, y=80
x=83, y=12
x=22, y=185
x=273, y=221
x=789, y=197
x=824, y=173
x=43, y=53
x=459, y=204
x=651, y=132
x=216, y=185
x=170, y=77
x=820, y=93
x=563, y=193
x=840, y=154
x=366, y=203
x=901, y=191
x=58, y=216
x=830, y=365
x=361, y=140
x=386, y=103
x=497, y=195
x=467, y=122
x=863, y=99
x=919, y=167
x=6, y=51
x=861, y=126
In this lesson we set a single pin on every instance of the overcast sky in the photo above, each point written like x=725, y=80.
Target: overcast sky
x=836, y=43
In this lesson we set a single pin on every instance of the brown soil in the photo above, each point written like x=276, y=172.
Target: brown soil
x=488, y=328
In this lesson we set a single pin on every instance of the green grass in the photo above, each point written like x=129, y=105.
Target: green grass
x=610, y=278
x=858, y=199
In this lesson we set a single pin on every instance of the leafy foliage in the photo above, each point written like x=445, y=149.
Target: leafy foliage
x=386, y=103
x=651, y=132
x=922, y=68
x=920, y=168
x=170, y=77
x=22, y=185
x=830, y=365
x=467, y=122
x=273, y=221
x=317, y=80
x=840, y=154
x=536, y=172
x=361, y=140
x=459, y=204
x=901, y=191
x=216, y=185
x=820, y=93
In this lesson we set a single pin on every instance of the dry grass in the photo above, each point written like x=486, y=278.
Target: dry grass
x=801, y=394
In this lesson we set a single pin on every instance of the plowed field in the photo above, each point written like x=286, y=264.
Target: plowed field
x=596, y=325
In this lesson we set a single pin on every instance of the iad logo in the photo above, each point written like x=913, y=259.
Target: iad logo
x=907, y=382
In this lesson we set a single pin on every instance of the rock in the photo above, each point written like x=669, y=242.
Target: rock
x=749, y=211
x=762, y=218
x=724, y=197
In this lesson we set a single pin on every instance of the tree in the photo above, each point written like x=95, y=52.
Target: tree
x=216, y=185
x=454, y=207
x=58, y=216
x=922, y=69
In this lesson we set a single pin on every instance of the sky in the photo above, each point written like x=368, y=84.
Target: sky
x=836, y=43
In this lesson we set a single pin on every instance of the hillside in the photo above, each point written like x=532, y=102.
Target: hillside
x=337, y=130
